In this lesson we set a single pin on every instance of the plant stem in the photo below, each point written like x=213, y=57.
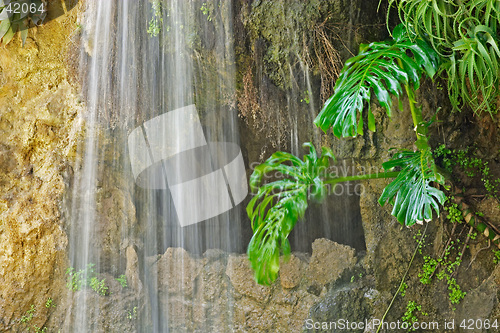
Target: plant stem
x=403, y=279
x=335, y=180
x=416, y=114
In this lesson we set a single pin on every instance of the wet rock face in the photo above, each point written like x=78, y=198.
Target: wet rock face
x=115, y=310
x=177, y=271
x=291, y=272
x=241, y=276
x=218, y=292
x=339, y=258
x=348, y=304
x=38, y=134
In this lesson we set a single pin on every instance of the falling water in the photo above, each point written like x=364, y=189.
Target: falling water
x=140, y=89
x=339, y=217
x=160, y=168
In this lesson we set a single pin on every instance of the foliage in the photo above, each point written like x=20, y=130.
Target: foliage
x=14, y=18
x=456, y=294
x=122, y=279
x=99, y=286
x=411, y=194
x=207, y=10
x=496, y=258
x=410, y=315
x=277, y=205
x=28, y=316
x=382, y=70
x=77, y=280
x=465, y=34
x=454, y=213
x=156, y=22
x=132, y=314
x=448, y=265
x=26, y=320
x=428, y=269
x=402, y=289
x=468, y=162
x=50, y=303
x=80, y=278
x=384, y=67
x=381, y=67
x=306, y=97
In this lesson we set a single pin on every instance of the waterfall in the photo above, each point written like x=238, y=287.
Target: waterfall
x=160, y=167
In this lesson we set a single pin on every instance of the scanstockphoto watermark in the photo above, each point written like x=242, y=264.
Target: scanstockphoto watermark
x=346, y=188
x=373, y=324
x=370, y=325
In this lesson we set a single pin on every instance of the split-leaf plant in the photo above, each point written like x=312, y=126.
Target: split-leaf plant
x=381, y=68
x=456, y=38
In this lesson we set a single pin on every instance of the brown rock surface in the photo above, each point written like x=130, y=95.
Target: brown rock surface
x=38, y=132
x=177, y=271
x=328, y=261
x=291, y=272
x=132, y=271
x=241, y=275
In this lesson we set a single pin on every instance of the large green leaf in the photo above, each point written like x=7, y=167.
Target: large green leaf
x=381, y=67
x=280, y=203
x=411, y=193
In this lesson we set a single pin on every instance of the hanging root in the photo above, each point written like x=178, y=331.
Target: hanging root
x=466, y=243
x=328, y=60
x=481, y=249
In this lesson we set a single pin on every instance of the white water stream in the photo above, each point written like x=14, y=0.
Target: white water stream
x=160, y=127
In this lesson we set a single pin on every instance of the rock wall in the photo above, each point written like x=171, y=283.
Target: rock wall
x=221, y=285
x=38, y=133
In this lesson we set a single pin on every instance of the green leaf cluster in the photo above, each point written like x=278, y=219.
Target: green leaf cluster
x=99, y=286
x=465, y=34
x=156, y=22
x=467, y=161
x=12, y=21
x=81, y=278
x=277, y=205
x=87, y=277
x=122, y=279
x=383, y=68
x=26, y=321
x=410, y=315
x=411, y=194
